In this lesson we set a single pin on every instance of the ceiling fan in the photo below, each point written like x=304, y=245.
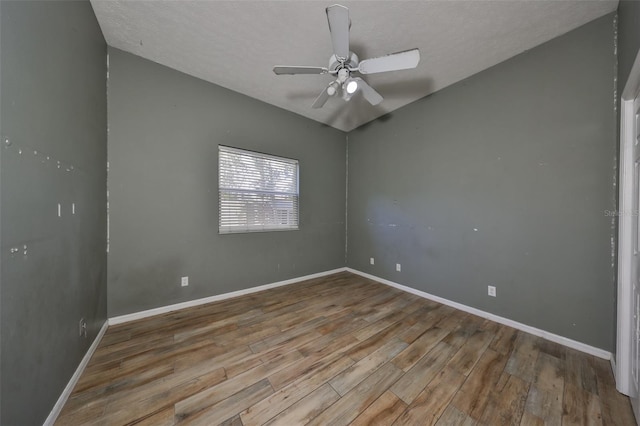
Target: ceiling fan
x=343, y=63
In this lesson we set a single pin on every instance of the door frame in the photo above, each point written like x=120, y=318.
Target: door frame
x=625, y=230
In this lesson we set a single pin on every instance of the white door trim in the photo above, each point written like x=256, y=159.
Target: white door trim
x=625, y=231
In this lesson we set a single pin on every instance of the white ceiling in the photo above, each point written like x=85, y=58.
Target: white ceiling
x=235, y=44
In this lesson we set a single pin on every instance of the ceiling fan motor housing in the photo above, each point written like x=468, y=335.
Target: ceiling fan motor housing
x=336, y=65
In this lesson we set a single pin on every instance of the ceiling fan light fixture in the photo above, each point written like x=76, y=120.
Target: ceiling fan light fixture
x=351, y=86
x=332, y=89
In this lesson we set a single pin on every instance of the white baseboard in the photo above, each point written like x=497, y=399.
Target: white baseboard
x=170, y=308
x=55, y=412
x=600, y=353
x=574, y=344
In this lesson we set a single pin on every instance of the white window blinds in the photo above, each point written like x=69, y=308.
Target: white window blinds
x=257, y=192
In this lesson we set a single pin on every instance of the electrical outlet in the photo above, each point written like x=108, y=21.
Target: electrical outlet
x=491, y=290
x=372, y=261
x=82, y=328
x=398, y=267
x=184, y=282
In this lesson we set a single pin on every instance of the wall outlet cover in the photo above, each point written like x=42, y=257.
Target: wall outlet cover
x=491, y=291
x=398, y=267
x=184, y=282
x=372, y=261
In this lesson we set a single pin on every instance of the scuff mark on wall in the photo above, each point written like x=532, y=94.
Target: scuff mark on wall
x=108, y=174
x=346, y=201
x=614, y=196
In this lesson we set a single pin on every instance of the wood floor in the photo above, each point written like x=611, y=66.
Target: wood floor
x=337, y=350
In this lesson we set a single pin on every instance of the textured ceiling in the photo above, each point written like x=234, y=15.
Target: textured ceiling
x=235, y=44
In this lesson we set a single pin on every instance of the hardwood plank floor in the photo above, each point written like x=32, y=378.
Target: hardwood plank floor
x=337, y=350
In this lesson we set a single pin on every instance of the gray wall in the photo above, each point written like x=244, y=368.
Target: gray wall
x=53, y=84
x=628, y=38
x=502, y=179
x=164, y=131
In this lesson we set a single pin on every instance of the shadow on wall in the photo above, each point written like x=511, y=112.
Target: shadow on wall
x=387, y=232
x=390, y=90
x=359, y=109
x=143, y=284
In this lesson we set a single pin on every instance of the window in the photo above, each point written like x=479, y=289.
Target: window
x=257, y=192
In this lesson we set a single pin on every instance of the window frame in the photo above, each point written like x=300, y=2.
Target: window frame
x=264, y=227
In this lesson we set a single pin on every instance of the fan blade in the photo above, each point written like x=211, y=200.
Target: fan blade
x=369, y=92
x=321, y=99
x=393, y=62
x=338, y=17
x=282, y=70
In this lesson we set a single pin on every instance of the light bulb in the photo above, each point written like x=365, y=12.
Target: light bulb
x=352, y=86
